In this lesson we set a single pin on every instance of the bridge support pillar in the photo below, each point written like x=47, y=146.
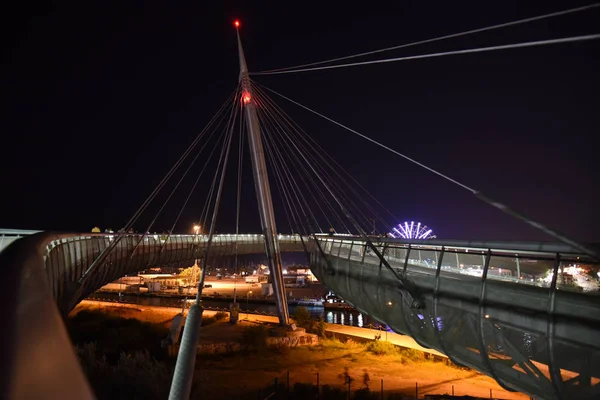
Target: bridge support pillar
x=263, y=191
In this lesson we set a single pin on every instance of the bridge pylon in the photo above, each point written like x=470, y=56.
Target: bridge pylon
x=263, y=189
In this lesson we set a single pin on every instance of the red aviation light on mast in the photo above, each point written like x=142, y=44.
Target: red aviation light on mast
x=236, y=23
x=246, y=97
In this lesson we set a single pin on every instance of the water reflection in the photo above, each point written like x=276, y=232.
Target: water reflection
x=344, y=317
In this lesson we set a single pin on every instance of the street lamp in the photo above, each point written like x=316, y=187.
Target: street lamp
x=247, y=302
x=196, y=231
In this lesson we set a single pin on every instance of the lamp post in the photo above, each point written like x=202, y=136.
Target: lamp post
x=247, y=304
x=197, y=228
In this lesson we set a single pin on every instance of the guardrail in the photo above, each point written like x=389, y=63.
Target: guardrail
x=523, y=263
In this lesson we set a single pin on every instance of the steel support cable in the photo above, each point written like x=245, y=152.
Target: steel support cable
x=163, y=183
x=291, y=193
x=298, y=193
x=209, y=197
x=297, y=226
x=264, y=116
x=301, y=215
x=179, y=162
x=275, y=168
x=283, y=131
x=170, y=233
x=120, y=235
x=186, y=359
x=408, y=287
x=287, y=170
x=306, y=177
x=332, y=182
x=171, y=195
x=208, y=201
x=343, y=186
x=210, y=155
x=293, y=183
x=239, y=200
x=280, y=128
x=319, y=151
x=439, y=38
x=372, y=141
x=324, y=174
x=570, y=39
x=273, y=162
x=562, y=238
x=316, y=187
x=300, y=199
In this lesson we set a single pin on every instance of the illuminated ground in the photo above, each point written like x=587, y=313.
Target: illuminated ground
x=241, y=375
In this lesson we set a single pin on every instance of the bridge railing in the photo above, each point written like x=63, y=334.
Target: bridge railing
x=71, y=258
x=530, y=267
x=532, y=336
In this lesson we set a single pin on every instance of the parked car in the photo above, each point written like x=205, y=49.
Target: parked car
x=207, y=286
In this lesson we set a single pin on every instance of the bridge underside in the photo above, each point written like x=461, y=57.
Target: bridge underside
x=68, y=258
x=508, y=334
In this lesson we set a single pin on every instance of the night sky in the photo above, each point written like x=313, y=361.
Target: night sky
x=101, y=101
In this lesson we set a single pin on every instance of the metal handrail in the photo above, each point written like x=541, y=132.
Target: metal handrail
x=479, y=311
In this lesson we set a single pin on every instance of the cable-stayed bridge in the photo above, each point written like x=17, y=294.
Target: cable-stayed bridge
x=538, y=338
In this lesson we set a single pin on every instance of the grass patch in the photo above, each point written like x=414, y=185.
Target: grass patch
x=412, y=354
x=255, y=337
x=135, y=375
x=335, y=344
x=114, y=335
x=382, y=348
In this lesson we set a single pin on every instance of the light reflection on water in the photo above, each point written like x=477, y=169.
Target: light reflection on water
x=344, y=317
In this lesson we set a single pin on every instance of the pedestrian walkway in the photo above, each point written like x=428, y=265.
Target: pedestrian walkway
x=394, y=338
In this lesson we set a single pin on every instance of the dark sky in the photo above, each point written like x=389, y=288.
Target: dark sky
x=100, y=101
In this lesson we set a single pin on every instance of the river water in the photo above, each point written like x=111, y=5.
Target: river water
x=342, y=317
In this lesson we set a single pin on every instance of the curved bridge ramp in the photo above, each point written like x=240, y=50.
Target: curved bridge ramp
x=40, y=274
x=540, y=338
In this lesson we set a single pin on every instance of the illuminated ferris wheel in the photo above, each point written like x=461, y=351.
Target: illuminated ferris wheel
x=412, y=230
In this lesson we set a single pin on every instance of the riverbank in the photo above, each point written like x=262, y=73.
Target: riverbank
x=165, y=315
x=243, y=375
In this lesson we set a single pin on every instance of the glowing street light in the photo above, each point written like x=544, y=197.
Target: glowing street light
x=247, y=304
x=196, y=229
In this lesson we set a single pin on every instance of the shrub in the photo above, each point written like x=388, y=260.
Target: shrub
x=302, y=316
x=255, y=337
x=220, y=315
x=321, y=328
x=114, y=335
x=135, y=376
x=380, y=348
x=333, y=344
x=412, y=354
